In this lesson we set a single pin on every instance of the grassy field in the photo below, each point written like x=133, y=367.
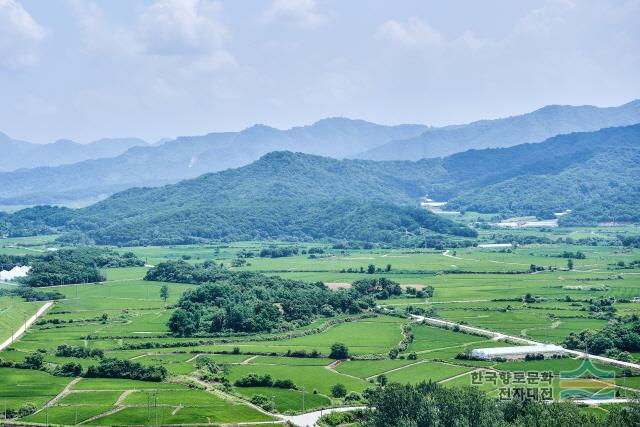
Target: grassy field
x=14, y=311
x=481, y=287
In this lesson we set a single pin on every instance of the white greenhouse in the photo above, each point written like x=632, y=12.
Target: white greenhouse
x=516, y=352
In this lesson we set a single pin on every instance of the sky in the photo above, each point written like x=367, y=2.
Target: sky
x=90, y=69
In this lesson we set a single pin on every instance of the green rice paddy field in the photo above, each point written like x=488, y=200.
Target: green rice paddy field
x=479, y=287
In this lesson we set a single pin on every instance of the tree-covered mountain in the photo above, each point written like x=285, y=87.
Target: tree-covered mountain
x=283, y=195
x=288, y=195
x=506, y=132
x=18, y=154
x=595, y=174
x=189, y=157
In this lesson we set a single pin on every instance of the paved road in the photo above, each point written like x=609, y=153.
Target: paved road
x=22, y=329
x=498, y=335
x=311, y=418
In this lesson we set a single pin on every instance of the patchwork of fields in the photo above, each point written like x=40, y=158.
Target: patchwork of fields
x=126, y=318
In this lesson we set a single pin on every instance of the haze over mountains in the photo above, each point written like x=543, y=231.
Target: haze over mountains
x=189, y=157
x=18, y=154
x=507, y=132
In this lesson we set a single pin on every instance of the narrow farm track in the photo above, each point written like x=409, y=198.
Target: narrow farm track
x=396, y=369
x=65, y=391
x=458, y=376
x=520, y=340
x=22, y=329
x=248, y=360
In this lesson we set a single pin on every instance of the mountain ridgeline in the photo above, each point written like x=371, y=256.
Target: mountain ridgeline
x=188, y=157
x=18, y=154
x=536, y=126
x=287, y=195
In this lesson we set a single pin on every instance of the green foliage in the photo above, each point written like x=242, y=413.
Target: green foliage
x=263, y=401
x=380, y=288
x=69, y=369
x=81, y=352
x=70, y=266
x=338, y=390
x=116, y=368
x=592, y=173
x=429, y=404
x=339, y=351
x=34, y=360
x=248, y=302
x=30, y=294
x=254, y=380
x=164, y=292
x=617, y=335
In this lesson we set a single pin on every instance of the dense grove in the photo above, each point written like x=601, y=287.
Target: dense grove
x=618, y=337
x=428, y=404
x=250, y=302
x=80, y=265
x=116, y=368
x=30, y=294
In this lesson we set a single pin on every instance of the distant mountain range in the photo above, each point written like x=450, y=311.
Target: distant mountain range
x=189, y=157
x=288, y=195
x=507, y=132
x=18, y=154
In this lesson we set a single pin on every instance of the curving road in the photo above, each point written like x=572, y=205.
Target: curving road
x=498, y=335
x=311, y=418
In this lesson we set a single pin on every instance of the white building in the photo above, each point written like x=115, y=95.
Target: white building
x=517, y=352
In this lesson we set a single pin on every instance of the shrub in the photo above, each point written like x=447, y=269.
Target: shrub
x=69, y=369
x=254, y=380
x=263, y=401
x=338, y=390
x=353, y=396
x=27, y=408
x=34, y=360
x=339, y=351
x=284, y=384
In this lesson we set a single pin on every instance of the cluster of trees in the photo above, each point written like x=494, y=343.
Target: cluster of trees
x=117, y=368
x=249, y=302
x=7, y=262
x=70, y=266
x=630, y=241
x=572, y=255
x=278, y=252
x=380, y=288
x=616, y=339
x=429, y=404
x=30, y=294
x=65, y=350
x=255, y=380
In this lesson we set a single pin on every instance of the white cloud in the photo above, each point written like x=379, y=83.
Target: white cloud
x=20, y=35
x=187, y=29
x=413, y=33
x=102, y=36
x=182, y=27
x=302, y=13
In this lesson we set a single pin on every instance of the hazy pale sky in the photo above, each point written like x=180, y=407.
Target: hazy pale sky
x=87, y=69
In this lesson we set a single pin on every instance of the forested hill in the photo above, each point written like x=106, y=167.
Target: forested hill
x=536, y=126
x=300, y=196
x=595, y=174
x=282, y=195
